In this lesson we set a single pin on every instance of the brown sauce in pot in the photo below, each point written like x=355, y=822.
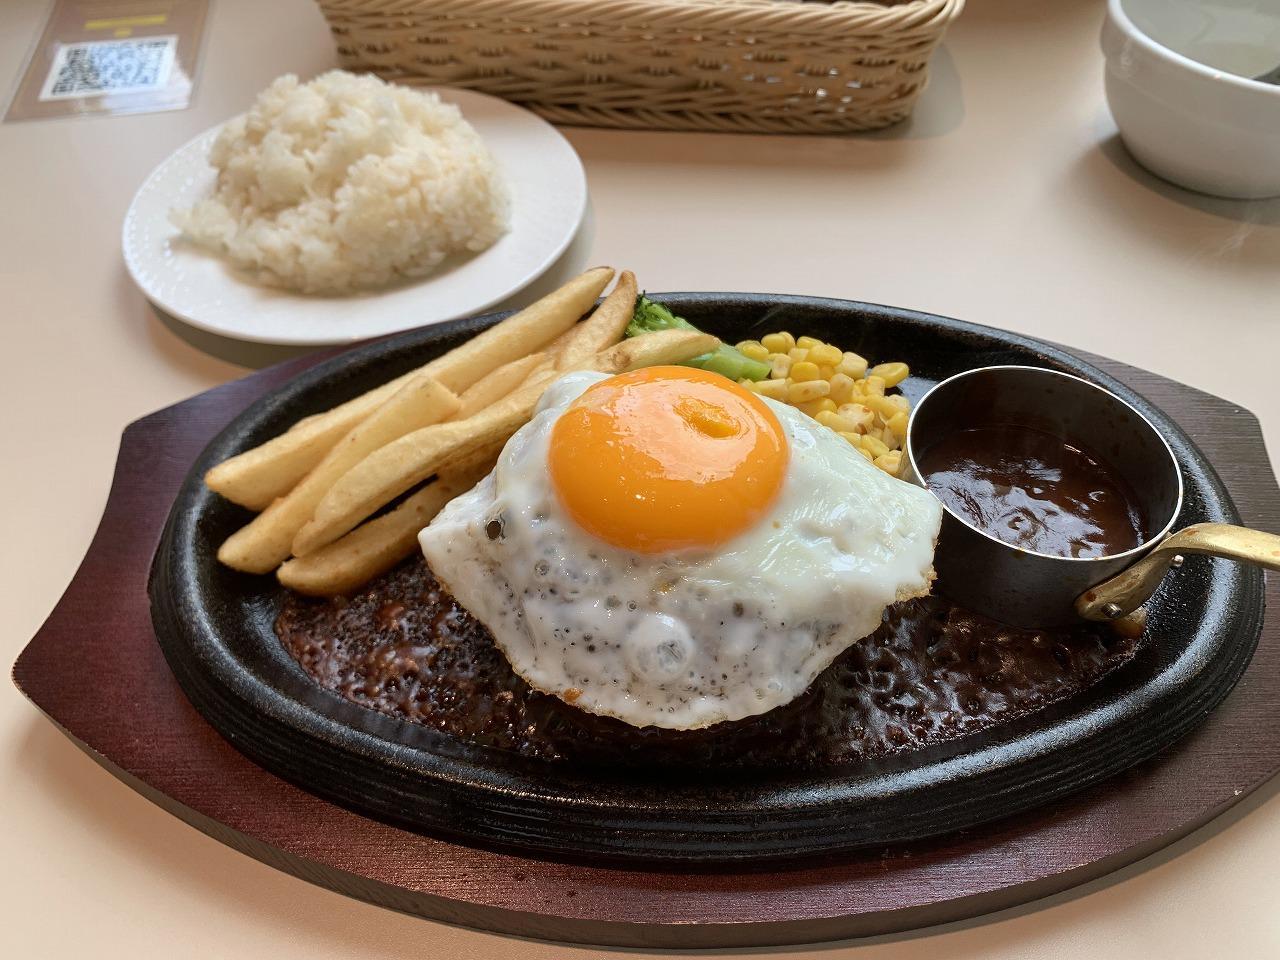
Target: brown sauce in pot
x=1034, y=490
x=933, y=672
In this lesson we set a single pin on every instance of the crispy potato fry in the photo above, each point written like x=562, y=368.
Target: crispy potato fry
x=556, y=347
x=377, y=546
x=539, y=372
x=257, y=477
x=494, y=386
x=266, y=542
x=651, y=350
x=531, y=329
x=306, y=420
x=603, y=328
x=401, y=465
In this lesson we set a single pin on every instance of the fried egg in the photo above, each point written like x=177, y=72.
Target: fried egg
x=670, y=549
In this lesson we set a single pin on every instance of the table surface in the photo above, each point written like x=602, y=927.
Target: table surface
x=1007, y=200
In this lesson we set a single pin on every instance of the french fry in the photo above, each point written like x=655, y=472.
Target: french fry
x=603, y=328
x=401, y=465
x=540, y=372
x=653, y=349
x=404, y=463
x=266, y=542
x=257, y=477
x=531, y=329
x=556, y=347
x=493, y=387
x=306, y=420
x=377, y=546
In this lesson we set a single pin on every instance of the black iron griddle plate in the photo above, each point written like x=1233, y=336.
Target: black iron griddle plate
x=215, y=627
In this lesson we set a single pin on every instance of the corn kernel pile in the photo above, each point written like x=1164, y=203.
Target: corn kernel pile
x=837, y=389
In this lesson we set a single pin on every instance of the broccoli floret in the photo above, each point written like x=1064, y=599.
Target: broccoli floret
x=725, y=360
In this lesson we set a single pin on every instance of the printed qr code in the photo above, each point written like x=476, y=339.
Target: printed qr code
x=101, y=67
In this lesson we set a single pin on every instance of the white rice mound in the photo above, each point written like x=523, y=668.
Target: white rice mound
x=347, y=183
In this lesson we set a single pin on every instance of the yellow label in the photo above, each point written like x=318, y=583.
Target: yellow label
x=113, y=23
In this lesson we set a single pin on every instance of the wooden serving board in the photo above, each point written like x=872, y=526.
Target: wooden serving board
x=130, y=716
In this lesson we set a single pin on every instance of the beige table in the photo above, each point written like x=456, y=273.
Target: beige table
x=1008, y=201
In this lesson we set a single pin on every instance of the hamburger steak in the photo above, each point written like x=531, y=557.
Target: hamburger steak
x=933, y=672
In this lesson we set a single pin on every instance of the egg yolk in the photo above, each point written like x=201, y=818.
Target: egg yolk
x=667, y=458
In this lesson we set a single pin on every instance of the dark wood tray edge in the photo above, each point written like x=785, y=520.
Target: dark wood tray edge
x=573, y=930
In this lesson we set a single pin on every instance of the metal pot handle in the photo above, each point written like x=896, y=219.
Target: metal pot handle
x=1130, y=588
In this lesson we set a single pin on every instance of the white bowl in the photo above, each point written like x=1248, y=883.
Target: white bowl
x=1178, y=84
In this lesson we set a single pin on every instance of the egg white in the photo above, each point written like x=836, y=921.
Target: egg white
x=687, y=639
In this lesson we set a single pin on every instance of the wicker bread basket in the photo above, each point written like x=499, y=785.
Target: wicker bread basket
x=777, y=66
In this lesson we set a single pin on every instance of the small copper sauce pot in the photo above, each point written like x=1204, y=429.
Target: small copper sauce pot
x=1030, y=589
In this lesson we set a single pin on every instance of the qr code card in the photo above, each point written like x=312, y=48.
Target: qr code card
x=97, y=68
x=109, y=58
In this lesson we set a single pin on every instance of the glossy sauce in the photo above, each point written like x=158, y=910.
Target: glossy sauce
x=933, y=672
x=1034, y=490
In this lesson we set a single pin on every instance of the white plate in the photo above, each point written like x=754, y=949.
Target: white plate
x=548, y=202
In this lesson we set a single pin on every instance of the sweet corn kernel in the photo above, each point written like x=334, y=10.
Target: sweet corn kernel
x=891, y=373
x=890, y=462
x=882, y=406
x=841, y=388
x=873, y=444
x=825, y=353
x=804, y=370
x=852, y=366
x=832, y=419
x=773, y=389
x=779, y=342
x=815, y=407
x=805, y=390
x=901, y=402
x=838, y=389
x=856, y=414
x=748, y=384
